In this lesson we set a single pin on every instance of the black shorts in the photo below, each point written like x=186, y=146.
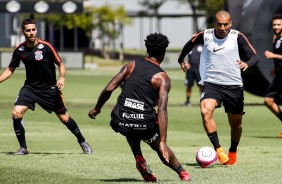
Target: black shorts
x=148, y=135
x=274, y=90
x=231, y=96
x=50, y=99
x=192, y=75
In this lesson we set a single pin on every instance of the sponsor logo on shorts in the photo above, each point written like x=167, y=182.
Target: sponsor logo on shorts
x=132, y=116
x=133, y=125
x=134, y=104
x=153, y=139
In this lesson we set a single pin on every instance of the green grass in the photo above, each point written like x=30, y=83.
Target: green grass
x=55, y=156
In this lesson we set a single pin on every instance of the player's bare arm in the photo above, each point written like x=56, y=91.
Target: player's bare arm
x=116, y=81
x=161, y=82
x=271, y=55
x=61, y=80
x=7, y=73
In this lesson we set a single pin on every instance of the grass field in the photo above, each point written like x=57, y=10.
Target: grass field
x=55, y=156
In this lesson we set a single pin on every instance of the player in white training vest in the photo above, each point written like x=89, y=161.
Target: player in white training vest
x=220, y=69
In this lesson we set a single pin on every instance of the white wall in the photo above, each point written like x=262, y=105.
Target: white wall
x=178, y=30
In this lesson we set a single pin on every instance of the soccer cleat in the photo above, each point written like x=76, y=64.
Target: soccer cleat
x=144, y=170
x=280, y=135
x=232, y=158
x=222, y=157
x=21, y=151
x=187, y=104
x=184, y=176
x=86, y=148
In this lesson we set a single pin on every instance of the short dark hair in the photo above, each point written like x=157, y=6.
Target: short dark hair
x=156, y=44
x=27, y=21
x=277, y=16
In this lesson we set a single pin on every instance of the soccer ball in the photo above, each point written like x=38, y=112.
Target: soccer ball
x=206, y=157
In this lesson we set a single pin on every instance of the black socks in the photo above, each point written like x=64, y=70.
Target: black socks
x=72, y=126
x=20, y=132
x=214, y=139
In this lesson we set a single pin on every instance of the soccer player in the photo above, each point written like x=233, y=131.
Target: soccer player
x=41, y=87
x=220, y=70
x=274, y=90
x=144, y=86
x=192, y=74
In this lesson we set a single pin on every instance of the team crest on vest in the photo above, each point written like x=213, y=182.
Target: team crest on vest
x=38, y=55
x=40, y=46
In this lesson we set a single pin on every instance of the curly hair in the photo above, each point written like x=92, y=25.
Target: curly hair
x=156, y=44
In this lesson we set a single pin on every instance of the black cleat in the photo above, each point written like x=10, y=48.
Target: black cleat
x=21, y=151
x=86, y=148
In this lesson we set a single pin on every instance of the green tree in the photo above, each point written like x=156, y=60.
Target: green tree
x=154, y=6
x=210, y=7
x=105, y=19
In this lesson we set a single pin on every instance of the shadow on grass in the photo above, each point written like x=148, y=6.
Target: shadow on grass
x=267, y=137
x=121, y=180
x=42, y=153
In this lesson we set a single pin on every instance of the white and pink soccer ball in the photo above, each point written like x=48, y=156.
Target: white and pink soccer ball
x=206, y=157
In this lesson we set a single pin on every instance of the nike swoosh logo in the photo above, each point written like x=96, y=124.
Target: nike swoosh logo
x=215, y=50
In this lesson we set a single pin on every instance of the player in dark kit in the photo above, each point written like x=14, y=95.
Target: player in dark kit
x=193, y=74
x=144, y=86
x=274, y=90
x=41, y=87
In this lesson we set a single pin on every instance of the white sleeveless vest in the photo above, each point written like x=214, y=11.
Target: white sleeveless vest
x=218, y=63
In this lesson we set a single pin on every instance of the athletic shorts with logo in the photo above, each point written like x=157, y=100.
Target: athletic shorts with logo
x=149, y=134
x=49, y=98
x=231, y=96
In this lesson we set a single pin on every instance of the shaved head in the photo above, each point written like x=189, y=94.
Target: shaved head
x=222, y=24
x=222, y=15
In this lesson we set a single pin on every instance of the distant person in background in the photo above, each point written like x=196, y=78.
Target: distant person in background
x=144, y=85
x=220, y=70
x=193, y=74
x=41, y=86
x=274, y=90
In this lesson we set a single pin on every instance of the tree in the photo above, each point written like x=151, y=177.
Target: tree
x=106, y=19
x=209, y=6
x=153, y=5
x=109, y=22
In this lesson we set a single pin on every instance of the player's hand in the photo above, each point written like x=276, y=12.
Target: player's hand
x=244, y=66
x=61, y=83
x=268, y=54
x=185, y=66
x=93, y=113
x=164, y=151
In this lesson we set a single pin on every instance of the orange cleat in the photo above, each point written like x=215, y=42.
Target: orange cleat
x=232, y=158
x=144, y=170
x=184, y=176
x=222, y=157
x=280, y=135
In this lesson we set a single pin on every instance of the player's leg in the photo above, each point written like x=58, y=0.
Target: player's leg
x=18, y=113
x=59, y=108
x=189, y=83
x=235, y=122
x=208, y=106
x=141, y=163
x=73, y=127
x=173, y=163
x=273, y=107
